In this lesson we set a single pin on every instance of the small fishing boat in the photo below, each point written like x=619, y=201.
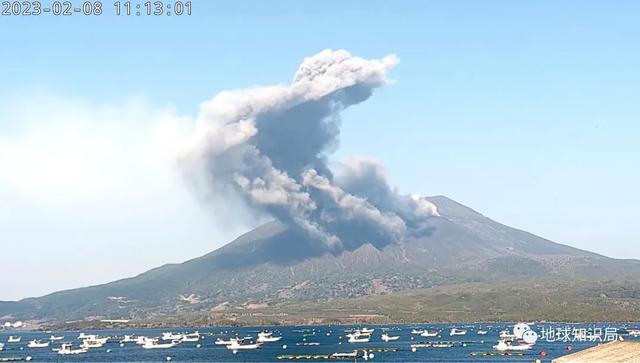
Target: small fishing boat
x=236, y=345
x=359, y=338
x=154, y=344
x=67, y=349
x=441, y=345
x=365, y=331
x=141, y=340
x=457, y=332
x=417, y=331
x=191, y=337
x=54, y=338
x=265, y=337
x=634, y=333
x=129, y=339
x=171, y=336
x=37, y=344
x=506, y=346
x=482, y=332
x=14, y=339
x=221, y=341
x=427, y=333
x=83, y=336
x=93, y=343
x=505, y=334
x=387, y=338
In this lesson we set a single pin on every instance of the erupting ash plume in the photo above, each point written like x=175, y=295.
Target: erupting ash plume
x=270, y=146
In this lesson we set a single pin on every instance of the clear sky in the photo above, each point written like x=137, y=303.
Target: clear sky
x=526, y=111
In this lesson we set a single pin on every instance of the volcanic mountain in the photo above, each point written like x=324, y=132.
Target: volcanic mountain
x=273, y=265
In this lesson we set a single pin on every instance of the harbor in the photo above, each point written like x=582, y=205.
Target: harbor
x=384, y=343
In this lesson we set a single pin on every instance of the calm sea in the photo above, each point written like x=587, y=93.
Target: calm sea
x=331, y=339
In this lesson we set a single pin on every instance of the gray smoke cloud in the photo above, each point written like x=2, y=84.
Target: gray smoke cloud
x=270, y=148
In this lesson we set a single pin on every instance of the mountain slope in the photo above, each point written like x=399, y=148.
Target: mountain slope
x=272, y=265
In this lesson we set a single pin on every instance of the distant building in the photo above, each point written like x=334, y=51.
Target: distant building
x=614, y=352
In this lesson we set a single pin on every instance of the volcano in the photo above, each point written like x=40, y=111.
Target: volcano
x=274, y=265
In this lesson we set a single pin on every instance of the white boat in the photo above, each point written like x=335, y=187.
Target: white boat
x=505, y=334
x=54, y=338
x=236, y=345
x=385, y=337
x=153, y=344
x=264, y=337
x=359, y=338
x=141, y=340
x=365, y=331
x=191, y=337
x=457, y=332
x=66, y=349
x=37, y=344
x=427, y=333
x=171, y=336
x=14, y=339
x=129, y=339
x=507, y=346
x=441, y=345
x=221, y=341
x=417, y=331
x=83, y=336
x=482, y=332
x=93, y=343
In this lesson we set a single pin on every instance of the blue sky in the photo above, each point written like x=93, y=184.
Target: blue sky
x=525, y=111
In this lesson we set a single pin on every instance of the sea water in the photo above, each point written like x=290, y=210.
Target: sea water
x=331, y=339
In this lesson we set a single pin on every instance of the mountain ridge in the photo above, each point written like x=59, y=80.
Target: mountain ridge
x=273, y=265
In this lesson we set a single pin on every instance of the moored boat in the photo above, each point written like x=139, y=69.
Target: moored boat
x=266, y=337
x=191, y=337
x=67, y=349
x=427, y=333
x=37, y=344
x=14, y=339
x=154, y=344
x=171, y=336
x=457, y=332
x=507, y=346
x=387, y=338
x=236, y=345
x=221, y=341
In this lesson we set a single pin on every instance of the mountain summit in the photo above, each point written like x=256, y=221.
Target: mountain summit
x=274, y=265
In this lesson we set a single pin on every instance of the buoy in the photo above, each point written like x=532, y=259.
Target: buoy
x=121, y=345
x=543, y=353
x=464, y=344
x=284, y=346
x=235, y=351
x=198, y=345
x=413, y=349
x=108, y=350
x=168, y=359
x=371, y=355
x=28, y=358
x=570, y=347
